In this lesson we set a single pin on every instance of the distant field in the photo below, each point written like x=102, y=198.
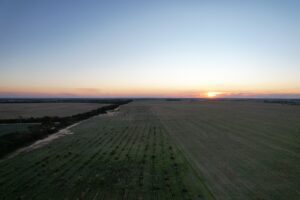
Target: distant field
x=16, y=110
x=12, y=128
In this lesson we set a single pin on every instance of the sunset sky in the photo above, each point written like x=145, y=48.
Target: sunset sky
x=111, y=48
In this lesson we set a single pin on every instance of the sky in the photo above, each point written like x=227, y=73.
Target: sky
x=117, y=48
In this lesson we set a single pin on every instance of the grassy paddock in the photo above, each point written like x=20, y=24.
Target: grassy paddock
x=127, y=155
x=167, y=150
x=244, y=150
x=26, y=110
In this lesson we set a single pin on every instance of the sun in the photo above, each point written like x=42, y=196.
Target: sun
x=212, y=94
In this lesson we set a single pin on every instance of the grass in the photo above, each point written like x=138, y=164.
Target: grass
x=167, y=150
x=26, y=110
x=47, y=126
x=128, y=155
x=244, y=150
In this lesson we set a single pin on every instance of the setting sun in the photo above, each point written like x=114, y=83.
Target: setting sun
x=212, y=94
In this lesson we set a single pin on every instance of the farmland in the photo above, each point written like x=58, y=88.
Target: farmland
x=125, y=155
x=25, y=110
x=156, y=149
x=244, y=150
x=44, y=126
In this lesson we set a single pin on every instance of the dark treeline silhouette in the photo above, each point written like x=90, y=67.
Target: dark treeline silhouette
x=173, y=99
x=284, y=101
x=47, y=125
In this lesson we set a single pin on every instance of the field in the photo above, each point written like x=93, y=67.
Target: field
x=124, y=155
x=44, y=127
x=244, y=150
x=167, y=150
x=25, y=110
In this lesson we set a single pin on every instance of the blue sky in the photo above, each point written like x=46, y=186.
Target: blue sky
x=149, y=48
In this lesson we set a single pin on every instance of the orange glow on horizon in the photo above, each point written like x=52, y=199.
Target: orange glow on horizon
x=138, y=92
x=213, y=94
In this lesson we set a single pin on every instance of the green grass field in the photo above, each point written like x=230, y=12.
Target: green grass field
x=244, y=150
x=25, y=110
x=167, y=150
x=127, y=155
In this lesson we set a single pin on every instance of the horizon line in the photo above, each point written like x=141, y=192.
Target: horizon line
x=214, y=98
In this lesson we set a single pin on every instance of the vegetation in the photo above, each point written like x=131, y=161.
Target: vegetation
x=173, y=99
x=158, y=149
x=37, y=110
x=128, y=155
x=48, y=125
x=284, y=101
x=13, y=128
x=243, y=149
